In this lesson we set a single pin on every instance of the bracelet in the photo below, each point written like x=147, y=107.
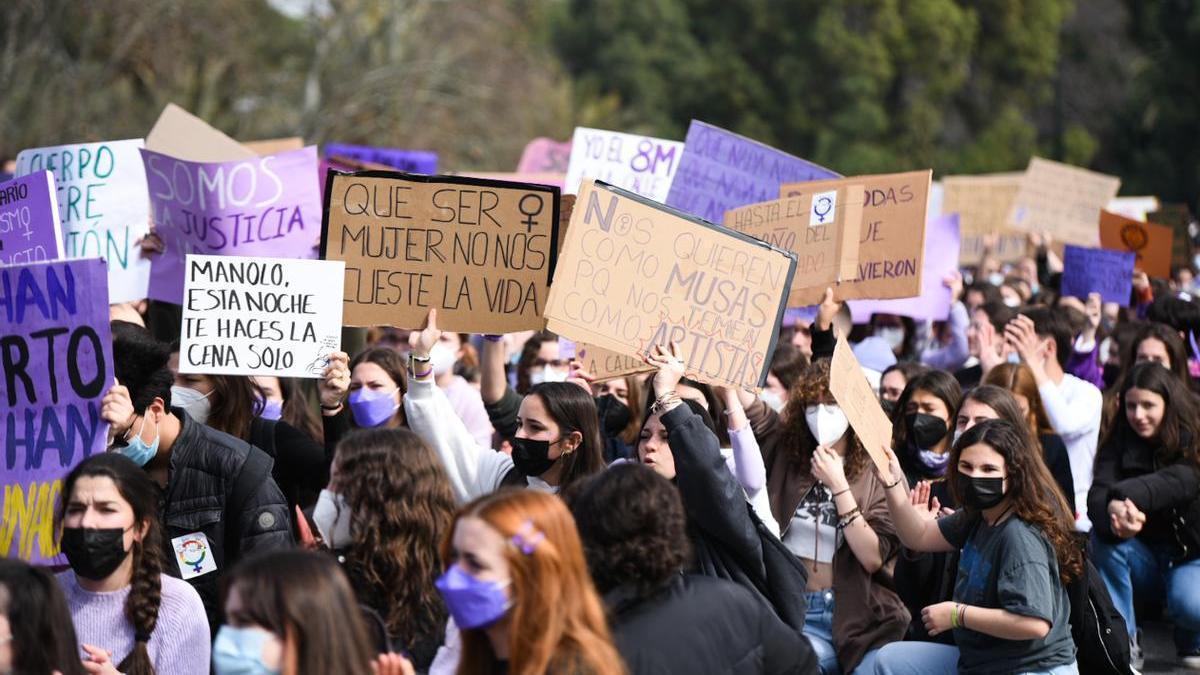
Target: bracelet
x=849, y=513
x=842, y=492
x=418, y=359
x=421, y=376
x=663, y=401
x=962, y=616
x=893, y=484
x=846, y=523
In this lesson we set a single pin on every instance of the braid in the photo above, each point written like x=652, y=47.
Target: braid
x=141, y=607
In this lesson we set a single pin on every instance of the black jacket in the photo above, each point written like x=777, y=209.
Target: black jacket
x=730, y=541
x=1127, y=467
x=205, y=465
x=301, y=465
x=697, y=625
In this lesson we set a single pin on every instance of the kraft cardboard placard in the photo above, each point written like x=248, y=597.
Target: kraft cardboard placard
x=1062, y=200
x=605, y=364
x=482, y=252
x=820, y=228
x=982, y=204
x=182, y=135
x=1150, y=242
x=634, y=274
x=272, y=146
x=891, y=246
x=857, y=400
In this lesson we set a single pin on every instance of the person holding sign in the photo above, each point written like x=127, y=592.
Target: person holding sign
x=1009, y=612
x=126, y=611
x=376, y=384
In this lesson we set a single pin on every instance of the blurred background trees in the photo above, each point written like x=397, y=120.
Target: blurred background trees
x=963, y=86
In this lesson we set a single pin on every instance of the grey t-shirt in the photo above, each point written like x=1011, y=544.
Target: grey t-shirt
x=1013, y=567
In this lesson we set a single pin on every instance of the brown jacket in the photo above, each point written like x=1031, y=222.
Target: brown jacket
x=867, y=613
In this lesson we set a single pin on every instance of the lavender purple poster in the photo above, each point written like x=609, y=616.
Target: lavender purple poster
x=412, y=161
x=266, y=206
x=720, y=170
x=30, y=230
x=941, y=258
x=56, y=357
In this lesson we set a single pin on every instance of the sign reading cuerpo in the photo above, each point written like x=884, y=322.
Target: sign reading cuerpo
x=56, y=366
x=260, y=316
x=265, y=206
x=103, y=207
x=480, y=251
x=635, y=273
x=641, y=164
x=30, y=230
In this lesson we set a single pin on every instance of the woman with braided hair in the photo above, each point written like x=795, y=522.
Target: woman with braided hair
x=130, y=617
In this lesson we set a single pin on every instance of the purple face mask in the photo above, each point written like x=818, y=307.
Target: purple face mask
x=270, y=409
x=472, y=603
x=372, y=408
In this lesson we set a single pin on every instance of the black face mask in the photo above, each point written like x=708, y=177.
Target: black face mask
x=614, y=415
x=1111, y=372
x=925, y=431
x=94, y=553
x=980, y=492
x=531, y=457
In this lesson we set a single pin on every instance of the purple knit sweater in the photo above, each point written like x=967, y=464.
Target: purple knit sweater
x=180, y=643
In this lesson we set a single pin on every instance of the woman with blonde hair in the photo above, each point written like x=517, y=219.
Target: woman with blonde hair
x=518, y=589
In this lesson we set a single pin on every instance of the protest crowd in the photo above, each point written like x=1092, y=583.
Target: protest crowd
x=703, y=408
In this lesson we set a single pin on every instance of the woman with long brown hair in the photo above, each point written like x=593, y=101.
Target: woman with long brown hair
x=1010, y=609
x=519, y=590
x=385, y=513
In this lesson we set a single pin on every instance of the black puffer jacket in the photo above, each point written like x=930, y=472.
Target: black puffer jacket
x=205, y=466
x=697, y=625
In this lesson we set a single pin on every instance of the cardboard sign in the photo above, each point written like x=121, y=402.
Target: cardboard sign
x=482, y=252
x=265, y=206
x=179, y=133
x=982, y=204
x=411, y=161
x=634, y=274
x=274, y=146
x=56, y=368
x=1098, y=270
x=820, y=228
x=545, y=155
x=30, y=230
x=1062, y=200
x=1150, y=242
x=641, y=164
x=605, y=364
x=941, y=259
x=856, y=398
x=720, y=170
x=557, y=180
x=1137, y=208
x=103, y=206
x=260, y=316
x=891, y=240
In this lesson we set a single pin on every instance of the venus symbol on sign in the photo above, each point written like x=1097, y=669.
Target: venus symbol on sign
x=822, y=206
x=529, y=221
x=1135, y=238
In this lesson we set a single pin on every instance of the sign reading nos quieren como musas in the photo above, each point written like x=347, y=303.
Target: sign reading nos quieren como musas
x=479, y=251
x=56, y=358
x=260, y=316
x=635, y=274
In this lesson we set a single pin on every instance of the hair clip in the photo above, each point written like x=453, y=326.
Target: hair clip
x=527, y=538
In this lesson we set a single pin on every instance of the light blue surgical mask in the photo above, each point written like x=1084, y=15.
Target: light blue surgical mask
x=239, y=651
x=140, y=451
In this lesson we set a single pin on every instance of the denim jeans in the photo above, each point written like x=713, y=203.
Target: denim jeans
x=818, y=628
x=1134, y=567
x=931, y=658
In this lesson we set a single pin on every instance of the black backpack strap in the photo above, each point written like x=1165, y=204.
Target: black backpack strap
x=255, y=470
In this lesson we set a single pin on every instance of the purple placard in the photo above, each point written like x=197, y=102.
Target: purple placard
x=412, y=161
x=804, y=315
x=266, y=206
x=30, y=230
x=941, y=259
x=720, y=170
x=1098, y=270
x=56, y=369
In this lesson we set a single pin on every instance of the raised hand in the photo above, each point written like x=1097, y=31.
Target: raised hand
x=422, y=341
x=670, y=367
x=335, y=380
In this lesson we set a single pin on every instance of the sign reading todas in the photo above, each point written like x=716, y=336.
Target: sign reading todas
x=260, y=316
x=264, y=206
x=412, y=161
x=103, y=206
x=30, y=230
x=1150, y=242
x=1098, y=270
x=891, y=240
x=634, y=274
x=720, y=170
x=641, y=164
x=821, y=229
x=56, y=358
x=481, y=251
x=1062, y=200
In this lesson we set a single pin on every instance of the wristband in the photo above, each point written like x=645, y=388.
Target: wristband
x=419, y=359
x=893, y=484
x=421, y=376
x=493, y=338
x=846, y=523
x=840, y=492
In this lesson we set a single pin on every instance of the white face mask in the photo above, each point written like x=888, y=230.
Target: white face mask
x=826, y=422
x=892, y=335
x=996, y=279
x=548, y=373
x=773, y=400
x=442, y=359
x=195, y=404
x=332, y=518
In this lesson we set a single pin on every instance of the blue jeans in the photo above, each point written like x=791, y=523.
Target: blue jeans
x=818, y=628
x=1133, y=566
x=931, y=658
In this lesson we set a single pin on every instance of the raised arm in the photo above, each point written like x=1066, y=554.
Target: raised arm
x=491, y=369
x=747, y=459
x=915, y=530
